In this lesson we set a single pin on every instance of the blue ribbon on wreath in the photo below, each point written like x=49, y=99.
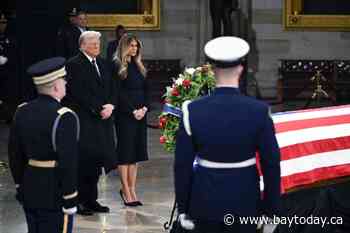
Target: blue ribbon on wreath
x=172, y=110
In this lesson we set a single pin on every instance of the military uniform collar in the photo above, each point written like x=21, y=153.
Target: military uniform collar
x=48, y=97
x=226, y=91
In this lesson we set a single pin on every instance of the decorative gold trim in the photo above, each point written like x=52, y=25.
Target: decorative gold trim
x=146, y=21
x=39, y=80
x=22, y=104
x=63, y=110
x=293, y=20
x=42, y=164
x=65, y=223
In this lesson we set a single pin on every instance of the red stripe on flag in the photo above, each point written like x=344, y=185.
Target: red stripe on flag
x=311, y=123
x=317, y=175
x=314, y=147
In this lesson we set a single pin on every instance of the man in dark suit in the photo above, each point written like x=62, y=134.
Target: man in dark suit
x=68, y=36
x=113, y=45
x=43, y=152
x=90, y=92
x=225, y=183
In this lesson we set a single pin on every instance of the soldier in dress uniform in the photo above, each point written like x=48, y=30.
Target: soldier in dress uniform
x=3, y=58
x=3, y=72
x=67, y=44
x=43, y=152
x=9, y=70
x=224, y=180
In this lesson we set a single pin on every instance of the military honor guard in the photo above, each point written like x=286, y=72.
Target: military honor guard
x=67, y=44
x=43, y=152
x=224, y=181
x=8, y=74
x=3, y=58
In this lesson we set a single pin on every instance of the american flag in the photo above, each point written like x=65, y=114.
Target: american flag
x=314, y=144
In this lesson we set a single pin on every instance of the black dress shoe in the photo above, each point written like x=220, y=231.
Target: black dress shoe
x=98, y=208
x=85, y=211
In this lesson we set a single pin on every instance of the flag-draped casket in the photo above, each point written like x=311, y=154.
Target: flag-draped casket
x=314, y=144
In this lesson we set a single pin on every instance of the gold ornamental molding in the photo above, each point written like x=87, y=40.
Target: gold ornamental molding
x=149, y=20
x=293, y=19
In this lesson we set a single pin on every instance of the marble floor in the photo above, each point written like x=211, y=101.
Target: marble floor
x=155, y=189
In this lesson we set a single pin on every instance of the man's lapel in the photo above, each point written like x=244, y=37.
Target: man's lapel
x=100, y=68
x=92, y=69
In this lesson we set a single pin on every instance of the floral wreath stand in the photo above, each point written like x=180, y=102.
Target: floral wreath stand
x=189, y=85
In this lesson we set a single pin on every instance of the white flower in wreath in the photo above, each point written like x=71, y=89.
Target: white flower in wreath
x=179, y=81
x=199, y=69
x=169, y=89
x=190, y=71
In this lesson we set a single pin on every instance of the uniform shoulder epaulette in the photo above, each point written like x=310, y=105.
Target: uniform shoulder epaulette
x=18, y=109
x=22, y=104
x=61, y=112
x=64, y=110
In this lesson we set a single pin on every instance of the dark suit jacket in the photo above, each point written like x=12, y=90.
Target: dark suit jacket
x=86, y=94
x=238, y=127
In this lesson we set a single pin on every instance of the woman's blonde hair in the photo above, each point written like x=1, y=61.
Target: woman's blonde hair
x=122, y=58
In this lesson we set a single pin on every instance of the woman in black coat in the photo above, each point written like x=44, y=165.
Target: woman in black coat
x=131, y=115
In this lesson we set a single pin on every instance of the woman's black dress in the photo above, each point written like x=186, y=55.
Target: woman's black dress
x=131, y=133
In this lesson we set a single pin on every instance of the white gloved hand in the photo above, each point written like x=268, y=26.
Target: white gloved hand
x=3, y=60
x=70, y=211
x=185, y=222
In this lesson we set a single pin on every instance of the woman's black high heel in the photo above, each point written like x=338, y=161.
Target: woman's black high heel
x=121, y=195
x=139, y=203
x=133, y=203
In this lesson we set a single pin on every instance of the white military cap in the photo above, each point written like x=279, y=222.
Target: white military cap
x=226, y=51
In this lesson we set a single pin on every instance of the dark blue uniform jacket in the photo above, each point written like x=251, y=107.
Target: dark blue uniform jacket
x=227, y=127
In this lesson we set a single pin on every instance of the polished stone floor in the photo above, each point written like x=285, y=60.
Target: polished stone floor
x=155, y=189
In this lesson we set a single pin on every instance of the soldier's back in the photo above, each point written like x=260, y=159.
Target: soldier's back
x=225, y=129
x=227, y=121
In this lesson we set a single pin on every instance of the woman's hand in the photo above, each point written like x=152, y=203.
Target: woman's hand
x=144, y=109
x=107, y=111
